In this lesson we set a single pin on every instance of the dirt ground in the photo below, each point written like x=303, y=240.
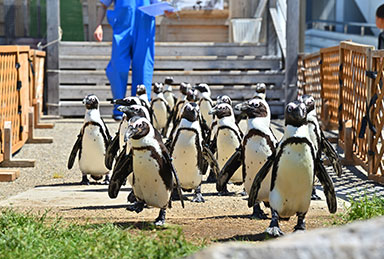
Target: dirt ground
x=220, y=218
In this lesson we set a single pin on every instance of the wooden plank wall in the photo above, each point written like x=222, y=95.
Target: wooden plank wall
x=18, y=13
x=188, y=26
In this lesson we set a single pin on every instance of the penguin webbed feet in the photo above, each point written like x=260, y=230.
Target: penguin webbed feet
x=84, y=180
x=314, y=196
x=224, y=192
x=131, y=197
x=106, y=180
x=198, y=197
x=258, y=213
x=274, y=230
x=137, y=207
x=160, y=220
x=300, y=226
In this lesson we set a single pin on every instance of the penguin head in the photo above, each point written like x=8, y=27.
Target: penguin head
x=138, y=127
x=254, y=108
x=168, y=80
x=158, y=88
x=134, y=110
x=203, y=89
x=222, y=110
x=309, y=102
x=295, y=114
x=261, y=89
x=192, y=95
x=223, y=99
x=127, y=101
x=190, y=112
x=184, y=87
x=91, y=102
x=140, y=90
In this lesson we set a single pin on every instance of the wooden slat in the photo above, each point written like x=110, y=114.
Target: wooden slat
x=209, y=77
x=187, y=63
x=169, y=49
x=103, y=92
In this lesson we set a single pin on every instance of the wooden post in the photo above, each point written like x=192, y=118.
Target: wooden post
x=348, y=143
x=370, y=135
x=31, y=138
x=8, y=161
x=292, y=43
x=271, y=33
x=53, y=25
x=38, y=124
x=9, y=20
x=92, y=17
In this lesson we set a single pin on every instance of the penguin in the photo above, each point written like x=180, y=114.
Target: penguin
x=261, y=89
x=154, y=176
x=91, y=143
x=169, y=96
x=320, y=143
x=205, y=102
x=228, y=138
x=117, y=142
x=258, y=144
x=190, y=154
x=160, y=108
x=294, y=166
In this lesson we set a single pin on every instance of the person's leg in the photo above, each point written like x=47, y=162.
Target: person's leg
x=143, y=55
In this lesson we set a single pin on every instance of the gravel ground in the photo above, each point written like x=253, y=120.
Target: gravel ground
x=218, y=219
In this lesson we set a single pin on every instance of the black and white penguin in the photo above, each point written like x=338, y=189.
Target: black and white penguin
x=169, y=96
x=261, y=90
x=190, y=154
x=319, y=141
x=91, y=143
x=205, y=102
x=258, y=144
x=228, y=138
x=153, y=174
x=293, y=168
x=160, y=108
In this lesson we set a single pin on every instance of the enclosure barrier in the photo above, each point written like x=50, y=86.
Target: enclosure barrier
x=346, y=81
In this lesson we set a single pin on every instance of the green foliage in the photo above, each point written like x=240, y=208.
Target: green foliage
x=361, y=209
x=29, y=236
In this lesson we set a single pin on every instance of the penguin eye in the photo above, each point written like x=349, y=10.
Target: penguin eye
x=289, y=109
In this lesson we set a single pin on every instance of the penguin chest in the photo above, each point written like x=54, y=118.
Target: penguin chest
x=294, y=179
x=168, y=96
x=148, y=185
x=92, y=152
x=185, y=160
x=227, y=142
x=205, y=107
x=256, y=153
x=160, y=112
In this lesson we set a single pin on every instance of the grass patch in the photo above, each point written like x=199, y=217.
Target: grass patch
x=361, y=209
x=31, y=236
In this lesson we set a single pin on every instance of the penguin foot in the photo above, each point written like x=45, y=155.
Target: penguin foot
x=106, y=180
x=84, y=180
x=136, y=207
x=258, y=213
x=198, y=197
x=315, y=197
x=131, y=197
x=298, y=227
x=243, y=193
x=223, y=192
x=274, y=232
x=160, y=220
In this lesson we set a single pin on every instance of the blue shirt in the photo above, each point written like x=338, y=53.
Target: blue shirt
x=107, y=3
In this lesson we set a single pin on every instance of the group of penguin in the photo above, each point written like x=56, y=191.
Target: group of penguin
x=166, y=145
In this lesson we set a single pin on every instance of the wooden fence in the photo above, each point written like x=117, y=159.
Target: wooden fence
x=346, y=81
x=21, y=85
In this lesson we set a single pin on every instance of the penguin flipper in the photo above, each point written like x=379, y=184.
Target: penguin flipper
x=122, y=169
x=331, y=153
x=206, y=131
x=210, y=158
x=75, y=148
x=230, y=167
x=111, y=152
x=259, y=179
x=327, y=184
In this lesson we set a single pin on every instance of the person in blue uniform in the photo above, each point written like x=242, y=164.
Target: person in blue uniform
x=133, y=43
x=380, y=25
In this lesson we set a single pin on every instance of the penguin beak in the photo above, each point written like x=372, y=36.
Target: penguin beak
x=131, y=131
x=119, y=102
x=122, y=108
x=242, y=106
x=213, y=111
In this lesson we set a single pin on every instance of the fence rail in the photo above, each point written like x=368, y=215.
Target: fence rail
x=346, y=81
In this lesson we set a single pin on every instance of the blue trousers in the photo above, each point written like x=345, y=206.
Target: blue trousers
x=133, y=44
